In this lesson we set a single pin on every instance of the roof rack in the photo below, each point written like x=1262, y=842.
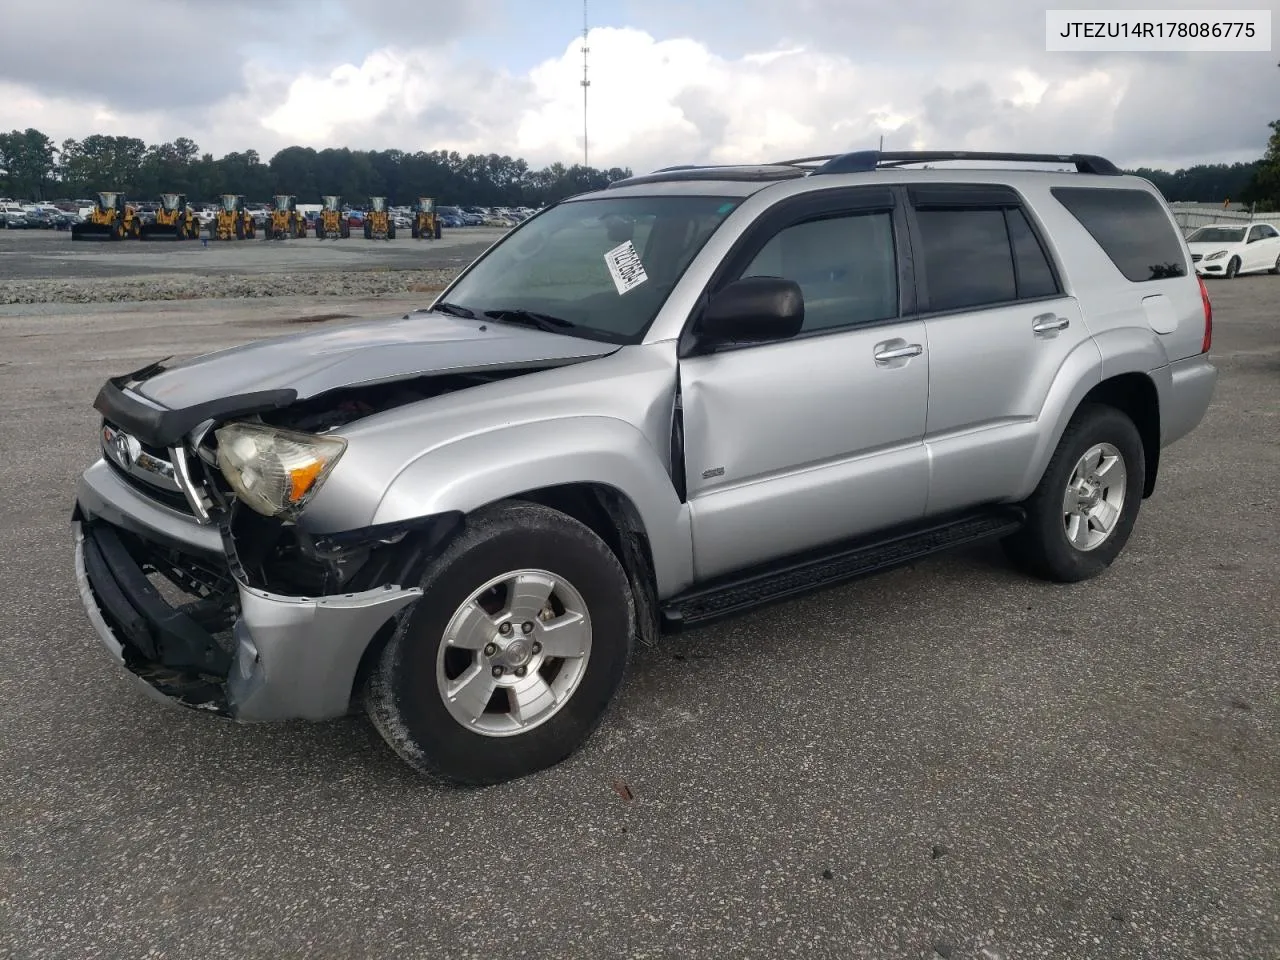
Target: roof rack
x=747, y=172
x=864, y=161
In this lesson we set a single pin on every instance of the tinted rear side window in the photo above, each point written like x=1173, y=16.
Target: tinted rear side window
x=967, y=259
x=1035, y=276
x=1132, y=228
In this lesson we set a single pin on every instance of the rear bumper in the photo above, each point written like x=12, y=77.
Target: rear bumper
x=1187, y=398
x=282, y=657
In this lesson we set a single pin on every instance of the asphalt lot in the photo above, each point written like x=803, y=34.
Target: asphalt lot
x=50, y=254
x=947, y=761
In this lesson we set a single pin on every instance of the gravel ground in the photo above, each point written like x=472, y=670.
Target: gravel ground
x=230, y=286
x=949, y=760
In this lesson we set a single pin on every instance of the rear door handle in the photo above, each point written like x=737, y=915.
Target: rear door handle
x=1049, y=322
x=884, y=355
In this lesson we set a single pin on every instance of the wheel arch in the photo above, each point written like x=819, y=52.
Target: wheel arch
x=1135, y=395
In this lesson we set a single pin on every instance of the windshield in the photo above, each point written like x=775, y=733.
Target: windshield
x=377, y=204
x=331, y=203
x=283, y=200
x=170, y=201
x=1217, y=235
x=229, y=202
x=107, y=200
x=604, y=265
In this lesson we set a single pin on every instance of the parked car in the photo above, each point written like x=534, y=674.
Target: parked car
x=1229, y=249
x=38, y=219
x=785, y=376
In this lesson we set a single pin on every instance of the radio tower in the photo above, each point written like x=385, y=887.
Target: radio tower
x=585, y=83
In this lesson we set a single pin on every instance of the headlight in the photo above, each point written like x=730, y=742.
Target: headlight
x=275, y=471
x=1216, y=256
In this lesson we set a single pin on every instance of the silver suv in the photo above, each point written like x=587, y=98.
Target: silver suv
x=646, y=407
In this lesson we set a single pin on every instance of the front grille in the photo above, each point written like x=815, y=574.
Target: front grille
x=170, y=498
x=1196, y=257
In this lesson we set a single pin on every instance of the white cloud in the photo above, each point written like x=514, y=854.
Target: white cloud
x=654, y=102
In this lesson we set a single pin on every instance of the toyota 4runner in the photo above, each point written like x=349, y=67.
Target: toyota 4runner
x=646, y=407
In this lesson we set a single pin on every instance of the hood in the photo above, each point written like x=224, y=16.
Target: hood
x=1214, y=247
x=316, y=362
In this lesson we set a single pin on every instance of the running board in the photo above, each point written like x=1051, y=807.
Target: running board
x=793, y=576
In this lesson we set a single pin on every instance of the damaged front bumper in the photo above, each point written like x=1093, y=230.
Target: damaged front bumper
x=244, y=652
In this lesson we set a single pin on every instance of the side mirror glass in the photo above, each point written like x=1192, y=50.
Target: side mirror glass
x=752, y=310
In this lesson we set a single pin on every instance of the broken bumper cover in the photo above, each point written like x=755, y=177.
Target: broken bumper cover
x=287, y=657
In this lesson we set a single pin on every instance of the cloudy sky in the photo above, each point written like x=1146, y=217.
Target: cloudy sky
x=672, y=81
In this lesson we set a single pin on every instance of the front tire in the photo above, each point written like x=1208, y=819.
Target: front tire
x=1233, y=268
x=1084, y=509
x=1276, y=268
x=511, y=657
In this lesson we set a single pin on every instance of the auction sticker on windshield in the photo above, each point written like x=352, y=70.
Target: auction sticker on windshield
x=625, y=267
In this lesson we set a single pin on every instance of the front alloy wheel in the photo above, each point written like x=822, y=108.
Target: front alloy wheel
x=514, y=653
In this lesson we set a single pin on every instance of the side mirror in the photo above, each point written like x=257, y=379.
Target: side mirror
x=754, y=309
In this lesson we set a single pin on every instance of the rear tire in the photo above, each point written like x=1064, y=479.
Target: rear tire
x=542, y=706
x=1083, y=511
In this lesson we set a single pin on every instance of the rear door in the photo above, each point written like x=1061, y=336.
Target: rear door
x=999, y=329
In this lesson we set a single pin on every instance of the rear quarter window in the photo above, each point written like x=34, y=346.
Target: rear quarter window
x=1131, y=227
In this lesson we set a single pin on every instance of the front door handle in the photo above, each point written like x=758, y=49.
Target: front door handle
x=1049, y=323
x=884, y=355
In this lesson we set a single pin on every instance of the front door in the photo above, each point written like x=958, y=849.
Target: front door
x=793, y=444
x=1263, y=248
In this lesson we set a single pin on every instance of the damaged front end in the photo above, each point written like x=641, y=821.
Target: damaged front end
x=224, y=608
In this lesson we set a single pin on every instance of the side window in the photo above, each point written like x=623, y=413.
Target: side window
x=846, y=268
x=968, y=260
x=1131, y=227
x=1269, y=232
x=1256, y=234
x=1035, y=276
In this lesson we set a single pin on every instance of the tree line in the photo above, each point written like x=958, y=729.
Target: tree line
x=33, y=167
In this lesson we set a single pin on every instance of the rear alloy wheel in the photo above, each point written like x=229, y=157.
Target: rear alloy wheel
x=512, y=655
x=1082, y=513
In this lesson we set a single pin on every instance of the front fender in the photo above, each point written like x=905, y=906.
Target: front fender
x=469, y=473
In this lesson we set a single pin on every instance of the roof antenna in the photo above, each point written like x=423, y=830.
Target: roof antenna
x=585, y=83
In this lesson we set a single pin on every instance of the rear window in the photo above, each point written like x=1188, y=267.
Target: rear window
x=1131, y=227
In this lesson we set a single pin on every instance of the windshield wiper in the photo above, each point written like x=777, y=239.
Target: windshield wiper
x=454, y=310
x=541, y=321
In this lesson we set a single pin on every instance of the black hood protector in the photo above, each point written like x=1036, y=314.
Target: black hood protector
x=163, y=404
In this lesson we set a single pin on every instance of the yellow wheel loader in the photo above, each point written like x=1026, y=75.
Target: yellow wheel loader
x=426, y=222
x=378, y=224
x=232, y=221
x=110, y=219
x=331, y=224
x=175, y=220
x=285, y=220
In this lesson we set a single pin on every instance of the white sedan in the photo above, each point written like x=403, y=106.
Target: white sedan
x=1228, y=250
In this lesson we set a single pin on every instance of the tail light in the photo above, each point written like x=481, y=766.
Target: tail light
x=1208, y=317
